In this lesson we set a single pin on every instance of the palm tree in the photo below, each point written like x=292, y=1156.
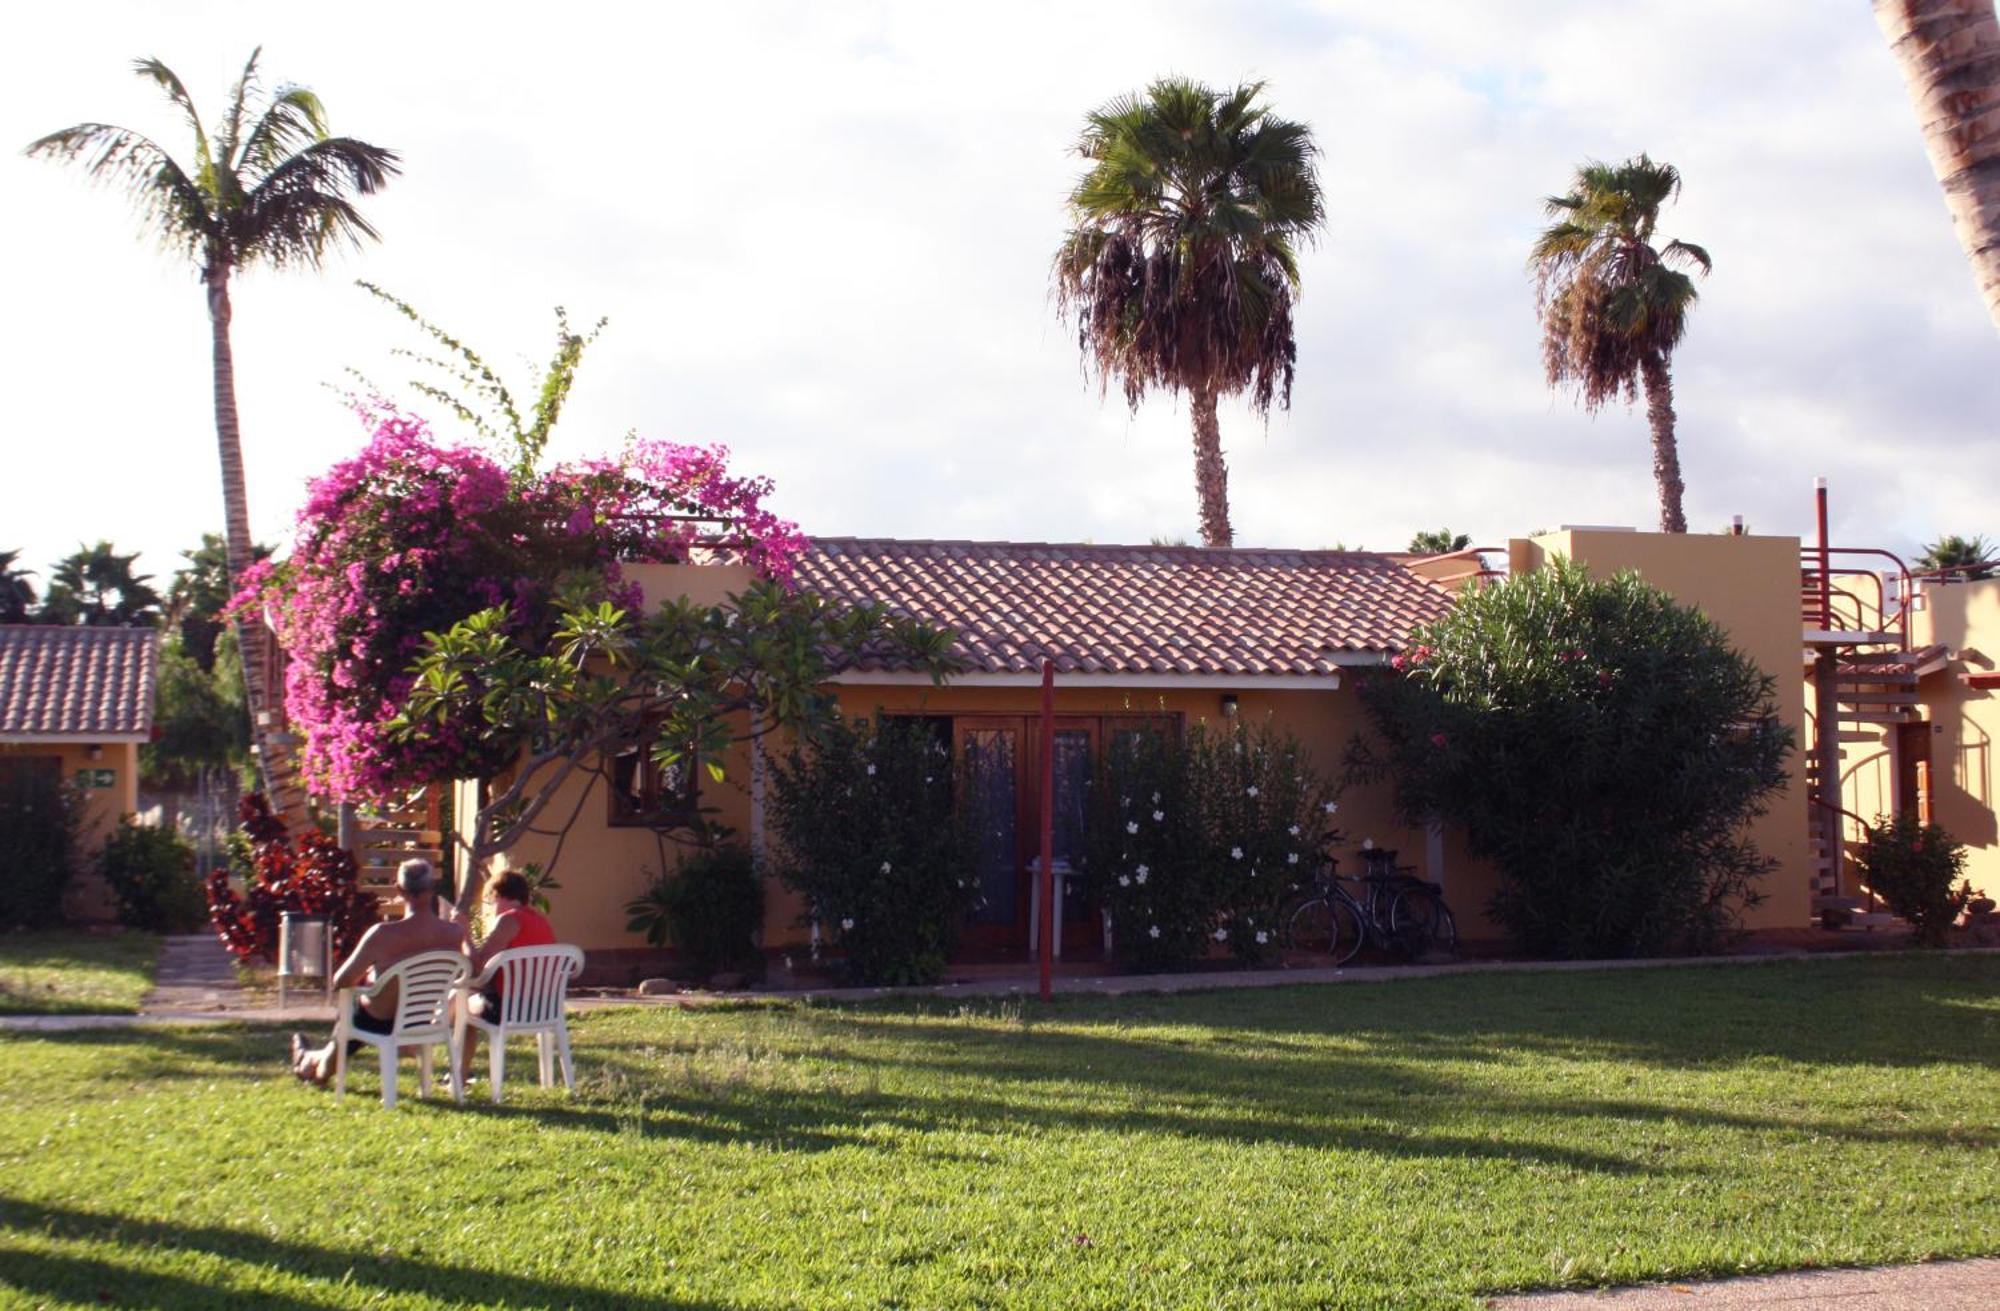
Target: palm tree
x=95, y=586
x=1949, y=51
x=268, y=186
x=17, y=594
x=1442, y=541
x=1612, y=309
x=1181, y=263
x=1963, y=555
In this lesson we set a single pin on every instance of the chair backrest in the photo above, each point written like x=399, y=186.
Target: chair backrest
x=423, y=986
x=534, y=981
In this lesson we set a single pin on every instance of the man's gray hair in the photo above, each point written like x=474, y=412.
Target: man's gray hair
x=415, y=876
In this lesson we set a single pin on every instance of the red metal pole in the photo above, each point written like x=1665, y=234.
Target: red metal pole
x=1825, y=557
x=1047, y=873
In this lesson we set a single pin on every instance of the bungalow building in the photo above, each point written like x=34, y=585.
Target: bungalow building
x=1174, y=634
x=75, y=703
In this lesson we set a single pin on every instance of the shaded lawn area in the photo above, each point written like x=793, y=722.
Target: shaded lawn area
x=1422, y=1143
x=75, y=973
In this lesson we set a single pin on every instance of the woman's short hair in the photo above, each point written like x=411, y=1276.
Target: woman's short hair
x=512, y=886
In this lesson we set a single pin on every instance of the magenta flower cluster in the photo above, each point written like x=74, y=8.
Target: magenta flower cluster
x=411, y=536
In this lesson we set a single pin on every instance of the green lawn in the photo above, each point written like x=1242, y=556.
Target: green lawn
x=75, y=973
x=1400, y=1145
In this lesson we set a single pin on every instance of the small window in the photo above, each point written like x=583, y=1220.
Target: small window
x=646, y=794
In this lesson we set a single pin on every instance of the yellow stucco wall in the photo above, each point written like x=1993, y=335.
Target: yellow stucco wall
x=1965, y=721
x=88, y=897
x=1749, y=586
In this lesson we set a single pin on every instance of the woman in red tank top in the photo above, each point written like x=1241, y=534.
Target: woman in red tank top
x=515, y=924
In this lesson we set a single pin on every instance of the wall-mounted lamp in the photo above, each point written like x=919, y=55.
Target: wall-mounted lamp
x=1736, y=526
x=1229, y=705
x=96, y=752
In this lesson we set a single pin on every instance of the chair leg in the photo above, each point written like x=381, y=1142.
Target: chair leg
x=562, y=1052
x=388, y=1053
x=545, y=1058
x=455, y=1053
x=424, y=1071
x=339, y=1066
x=496, y=1060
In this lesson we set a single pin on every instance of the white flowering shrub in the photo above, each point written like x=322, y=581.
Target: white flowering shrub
x=1197, y=843
x=872, y=841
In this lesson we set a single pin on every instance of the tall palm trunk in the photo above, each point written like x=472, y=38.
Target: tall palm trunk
x=1211, y=473
x=1666, y=450
x=1949, y=51
x=235, y=501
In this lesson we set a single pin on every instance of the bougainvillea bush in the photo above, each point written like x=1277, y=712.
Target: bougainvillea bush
x=1603, y=745
x=310, y=874
x=412, y=536
x=876, y=845
x=1198, y=841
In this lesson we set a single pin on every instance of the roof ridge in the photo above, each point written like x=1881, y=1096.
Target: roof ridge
x=1208, y=552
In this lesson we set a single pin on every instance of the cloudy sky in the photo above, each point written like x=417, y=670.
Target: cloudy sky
x=821, y=233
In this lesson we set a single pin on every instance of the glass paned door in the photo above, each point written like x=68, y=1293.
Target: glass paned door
x=1073, y=758
x=989, y=753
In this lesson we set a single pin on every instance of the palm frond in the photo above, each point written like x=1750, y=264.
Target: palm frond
x=1689, y=252
x=301, y=210
x=240, y=96
x=293, y=121
x=170, y=83
x=169, y=203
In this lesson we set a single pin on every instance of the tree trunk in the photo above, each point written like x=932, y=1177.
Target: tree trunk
x=1949, y=51
x=1666, y=450
x=236, y=506
x=1211, y=473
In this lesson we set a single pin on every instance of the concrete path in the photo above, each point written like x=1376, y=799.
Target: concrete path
x=1942, y=1286
x=194, y=974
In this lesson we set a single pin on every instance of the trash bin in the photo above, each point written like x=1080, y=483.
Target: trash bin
x=305, y=951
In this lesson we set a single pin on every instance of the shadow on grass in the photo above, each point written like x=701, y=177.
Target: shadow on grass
x=91, y=1279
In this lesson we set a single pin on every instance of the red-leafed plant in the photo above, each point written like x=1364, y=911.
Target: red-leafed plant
x=310, y=874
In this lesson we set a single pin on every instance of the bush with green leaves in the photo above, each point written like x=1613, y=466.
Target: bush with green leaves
x=710, y=909
x=1199, y=840
x=875, y=844
x=150, y=870
x=1917, y=870
x=41, y=835
x=1602, y=744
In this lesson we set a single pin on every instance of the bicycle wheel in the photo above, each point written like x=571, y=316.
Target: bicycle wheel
x=1326, y=927
x=1420, y=923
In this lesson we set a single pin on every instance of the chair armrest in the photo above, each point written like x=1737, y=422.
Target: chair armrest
x=484, y=977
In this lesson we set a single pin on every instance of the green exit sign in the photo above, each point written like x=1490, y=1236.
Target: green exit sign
x=96, y=778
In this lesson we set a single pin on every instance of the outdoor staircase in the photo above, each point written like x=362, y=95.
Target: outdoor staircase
x=1864, y=684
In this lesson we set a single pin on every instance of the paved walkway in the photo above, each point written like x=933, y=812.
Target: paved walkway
x=1942, y=1286
x=194, y=974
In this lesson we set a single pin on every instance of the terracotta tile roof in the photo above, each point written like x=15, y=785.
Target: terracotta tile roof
x=76, y=682
x=1154, y=610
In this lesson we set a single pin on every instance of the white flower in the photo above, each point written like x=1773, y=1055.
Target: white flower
x=1236, y=853
x=1293, y=830
x=1222, y=935
x=1291, y=858
x=1250, y=791
x=1153, y=931
x=1159, y=815
x=1262, y=937
x=885, y=867
x=1156, y=798
x=1125, y=802
x=1330, y=807
x=1141, y=873
x=927, y=778
x=1368, y=844
x=1131, y=826
x=1124, y=880
x=846, y=925
x=871, y=771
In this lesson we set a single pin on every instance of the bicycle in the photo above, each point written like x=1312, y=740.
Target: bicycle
x=1396, y=911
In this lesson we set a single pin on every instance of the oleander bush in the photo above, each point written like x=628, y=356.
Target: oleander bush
x=1198, y=841
x=1602, y=744
x=876, y=845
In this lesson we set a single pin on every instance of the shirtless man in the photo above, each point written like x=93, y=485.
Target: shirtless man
x=421, y=929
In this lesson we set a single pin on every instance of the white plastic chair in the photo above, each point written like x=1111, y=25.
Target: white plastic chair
x=534, y=986
x=424, y=986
